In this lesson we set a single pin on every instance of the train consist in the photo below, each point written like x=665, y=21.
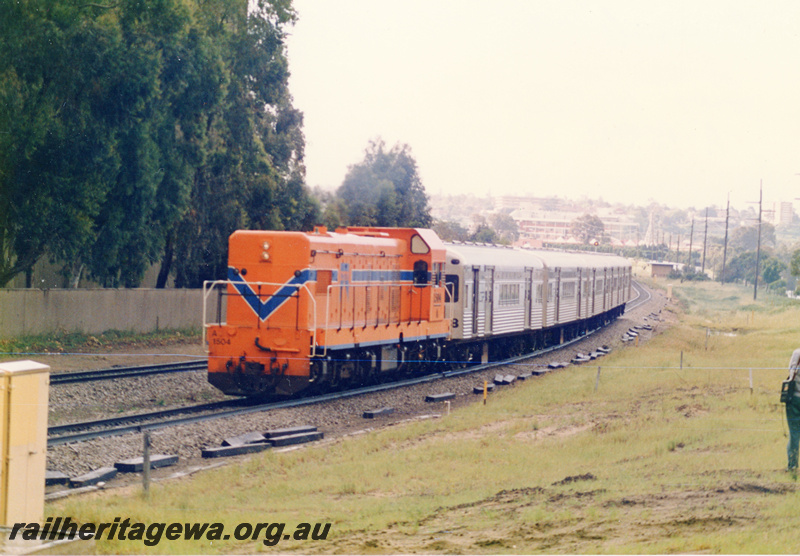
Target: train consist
x=320, y=309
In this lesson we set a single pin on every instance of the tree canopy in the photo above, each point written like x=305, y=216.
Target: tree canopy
x=587, y=228
x=745, y=238
x=384, y=189
x=136, y=132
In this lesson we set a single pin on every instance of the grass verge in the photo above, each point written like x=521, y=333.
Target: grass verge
x=661, y=457
x=64, y=342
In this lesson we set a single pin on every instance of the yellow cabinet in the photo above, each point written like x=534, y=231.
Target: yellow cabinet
x=24, y=390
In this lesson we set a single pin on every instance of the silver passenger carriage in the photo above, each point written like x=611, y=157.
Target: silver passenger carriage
x=512, y=300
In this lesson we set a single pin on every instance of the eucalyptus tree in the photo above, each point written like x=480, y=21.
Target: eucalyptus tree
x=101, y=116
x=133, y=132
x=57, y=159
x=587, y=228
x=253, y=175
x=385, y=189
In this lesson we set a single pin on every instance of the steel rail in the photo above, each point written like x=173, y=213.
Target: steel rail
x=127, y=372
x=642, y=297
x=62, y=434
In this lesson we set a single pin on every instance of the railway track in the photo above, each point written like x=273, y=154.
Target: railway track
x=643, y=295
x=127, y=372
x=88, y=430
x=114, y=426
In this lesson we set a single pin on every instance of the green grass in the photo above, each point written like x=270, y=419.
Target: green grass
x=659, y=459
x=64, y=342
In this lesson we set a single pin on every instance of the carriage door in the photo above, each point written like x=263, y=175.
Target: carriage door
x=558, y=296
x=489, y=277
x=476, y=298
x=580, y=290
x=528, y=297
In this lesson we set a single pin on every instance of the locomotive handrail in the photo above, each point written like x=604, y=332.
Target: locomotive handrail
x=328, y=325
x=449, y=306
x=210, y=285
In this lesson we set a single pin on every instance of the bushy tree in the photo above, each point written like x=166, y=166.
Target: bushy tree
x=450, y=231
x=771, y=270
x=134, y=130
x=58, y=154
x=745, y=238
x=741, y=267
x=385, y=189
x=588, y=228
x=254, y=173
x=484, y=234
x=505, y=227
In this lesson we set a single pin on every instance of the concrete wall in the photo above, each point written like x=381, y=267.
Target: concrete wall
x=34, y=311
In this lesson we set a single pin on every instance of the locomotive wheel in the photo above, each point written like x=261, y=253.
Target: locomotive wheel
x=348, y=372
x=459, y=358
x=370, y=373
x=420, y=359
x=336, y=376
x=360, y=368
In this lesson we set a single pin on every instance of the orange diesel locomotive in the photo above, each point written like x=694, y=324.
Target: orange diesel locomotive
x=318, y=308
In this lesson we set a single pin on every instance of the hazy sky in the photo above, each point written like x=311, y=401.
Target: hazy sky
x=680, y=102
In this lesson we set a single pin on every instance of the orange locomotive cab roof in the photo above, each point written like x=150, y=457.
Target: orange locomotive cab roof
x=421, y=241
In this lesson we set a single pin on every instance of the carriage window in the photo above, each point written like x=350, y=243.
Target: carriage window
x=509, y=294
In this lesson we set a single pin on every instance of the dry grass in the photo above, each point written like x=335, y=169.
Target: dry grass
x=659, y=459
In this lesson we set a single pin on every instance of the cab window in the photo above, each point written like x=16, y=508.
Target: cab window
x=418, y=246
x=420, y=273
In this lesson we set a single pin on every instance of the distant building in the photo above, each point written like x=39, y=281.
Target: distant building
x=556, y=226
x=510, y=203
x=786, y=213
x=619, y=226
x=662, y=270
x=548, y=226
x=540, y=219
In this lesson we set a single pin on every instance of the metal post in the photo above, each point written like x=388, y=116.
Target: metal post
x=705, y=241
x=725, y=248
x=146, y=464
x=758, y=249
